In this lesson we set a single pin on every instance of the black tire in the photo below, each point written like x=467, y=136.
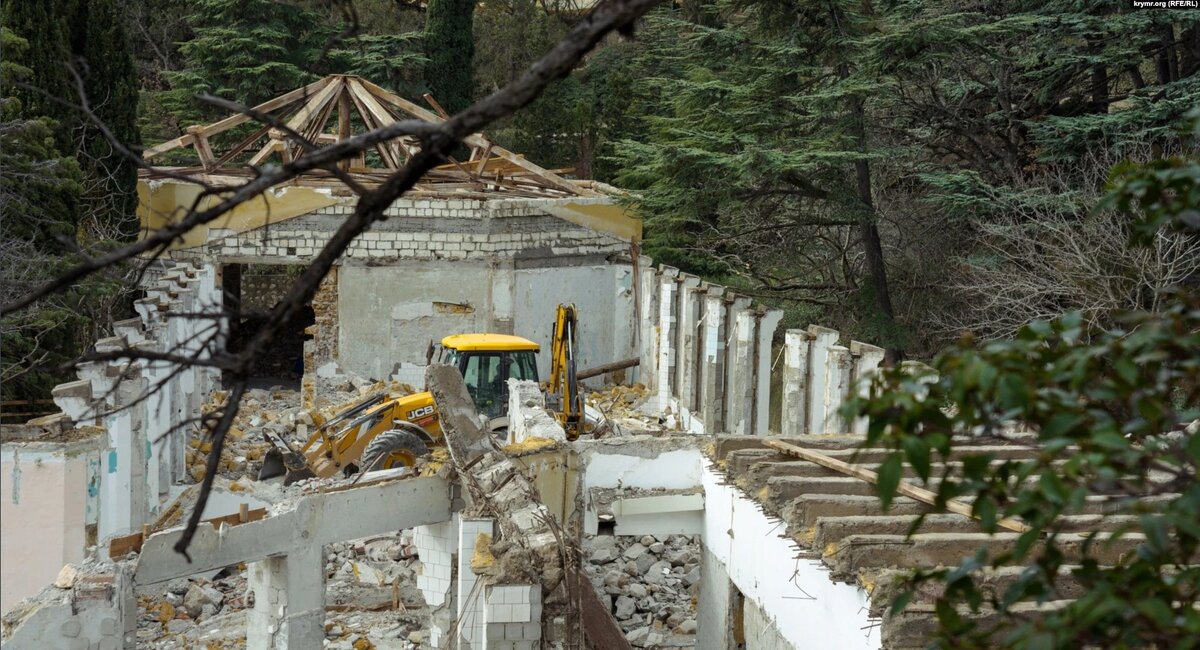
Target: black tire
x=384, y=444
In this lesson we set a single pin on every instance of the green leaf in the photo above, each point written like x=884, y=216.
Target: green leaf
x=889, y=479
x=917, y=450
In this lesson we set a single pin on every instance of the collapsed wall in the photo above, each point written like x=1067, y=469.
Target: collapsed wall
x=139, y=416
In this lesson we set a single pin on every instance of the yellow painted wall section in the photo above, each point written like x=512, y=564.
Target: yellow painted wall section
x=601, y=217
x=167, y=202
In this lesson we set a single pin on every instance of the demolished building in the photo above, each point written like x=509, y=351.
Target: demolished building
x=683, y=528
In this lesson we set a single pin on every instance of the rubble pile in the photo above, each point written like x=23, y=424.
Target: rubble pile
x=652, y=585
x=627, y=407
x=194, y=612
x=277, y=411
x=372, y=603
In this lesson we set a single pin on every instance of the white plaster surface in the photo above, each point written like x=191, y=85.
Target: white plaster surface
x=795, y=595
x=43, y=498
x=673, y=470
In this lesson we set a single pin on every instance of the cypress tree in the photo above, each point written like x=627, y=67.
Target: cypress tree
x=41, y=22
x=111, y=85
x=450, y=48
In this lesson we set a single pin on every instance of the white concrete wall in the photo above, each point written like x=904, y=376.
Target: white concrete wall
x=389, y=314
x=603, y=297
x=606, y=466
x=43, y=495
x=143, y=406
x=794, y=595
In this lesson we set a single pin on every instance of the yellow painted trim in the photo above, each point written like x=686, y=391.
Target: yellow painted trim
x=607, y=218
x=166, y=202
x=488, y=342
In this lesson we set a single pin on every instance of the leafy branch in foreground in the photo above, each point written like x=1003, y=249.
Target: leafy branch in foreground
x=1111, y=412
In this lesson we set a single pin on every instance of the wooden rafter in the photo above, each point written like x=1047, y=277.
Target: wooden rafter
x=309, y=112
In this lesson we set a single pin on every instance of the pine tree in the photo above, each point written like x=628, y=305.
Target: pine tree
x=450, y=49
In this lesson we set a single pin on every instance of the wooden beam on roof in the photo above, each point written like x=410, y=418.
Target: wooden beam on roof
x=239, y=118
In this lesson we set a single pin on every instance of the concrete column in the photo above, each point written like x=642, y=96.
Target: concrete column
x=712, y=364
x=666, y=335
x=795, y=383
x=690, y=306
x=289, y=601
x=713, y=612
x=837, y=388
x=866, y=363
x=685, y=331
x=821, y=339
x=765, y=333
x=647, y=370
x=123, y=478
x=740, y=411
x=471, y=600
x=733, y=305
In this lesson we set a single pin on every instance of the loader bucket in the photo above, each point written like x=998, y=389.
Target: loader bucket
x=272, y=465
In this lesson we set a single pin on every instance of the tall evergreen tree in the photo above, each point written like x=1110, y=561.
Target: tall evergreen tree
x=450, y=49
x=110, y=83
x=47, y=82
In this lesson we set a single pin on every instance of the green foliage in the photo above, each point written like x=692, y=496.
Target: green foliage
x=450, y=49
x=41, y=23
x=250, y=51
x=1109, y=409
x=110, y=84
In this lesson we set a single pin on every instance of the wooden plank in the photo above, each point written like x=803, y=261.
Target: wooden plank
x=437, y=108
x=239, y=118
x=907, y=489
x=343, y=125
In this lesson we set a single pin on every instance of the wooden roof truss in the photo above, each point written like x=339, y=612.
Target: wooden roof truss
x=323, y=113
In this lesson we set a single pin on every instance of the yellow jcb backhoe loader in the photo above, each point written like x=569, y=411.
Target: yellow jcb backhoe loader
x=389, y=430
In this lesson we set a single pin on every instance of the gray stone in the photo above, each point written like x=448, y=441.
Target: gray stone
x=198, y=596
x=602, y=556
x=178, y=586
x=656, y=573
x=644, y=562
x=634, y=552
x=647, y=540
x=688, y=626
x=612, y=578
x=632, y=569
x=638, y=636
x=692, y=577
x=179, y=626
x=625, y=607
x=637, y=590
x=656, y=548
x=602, y=541
x=653, y=639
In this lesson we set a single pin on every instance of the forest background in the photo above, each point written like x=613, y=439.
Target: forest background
x=902, y=171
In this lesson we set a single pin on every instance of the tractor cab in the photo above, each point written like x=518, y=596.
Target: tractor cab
x=487, y=362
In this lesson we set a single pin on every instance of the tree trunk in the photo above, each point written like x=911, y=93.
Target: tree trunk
x=872, y=246
x=1100, y=89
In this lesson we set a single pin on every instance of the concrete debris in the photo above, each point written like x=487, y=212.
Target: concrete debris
x=652, y=584
x=66, y=577
x=626, y=408
x=371, y=599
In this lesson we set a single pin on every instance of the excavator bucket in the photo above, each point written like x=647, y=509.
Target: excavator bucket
x=272, y=465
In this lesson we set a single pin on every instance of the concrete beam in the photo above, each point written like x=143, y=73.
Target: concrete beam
x=795, y=383
x=314, y=520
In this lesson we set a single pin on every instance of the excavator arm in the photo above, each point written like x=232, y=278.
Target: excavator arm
x=564, y=384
